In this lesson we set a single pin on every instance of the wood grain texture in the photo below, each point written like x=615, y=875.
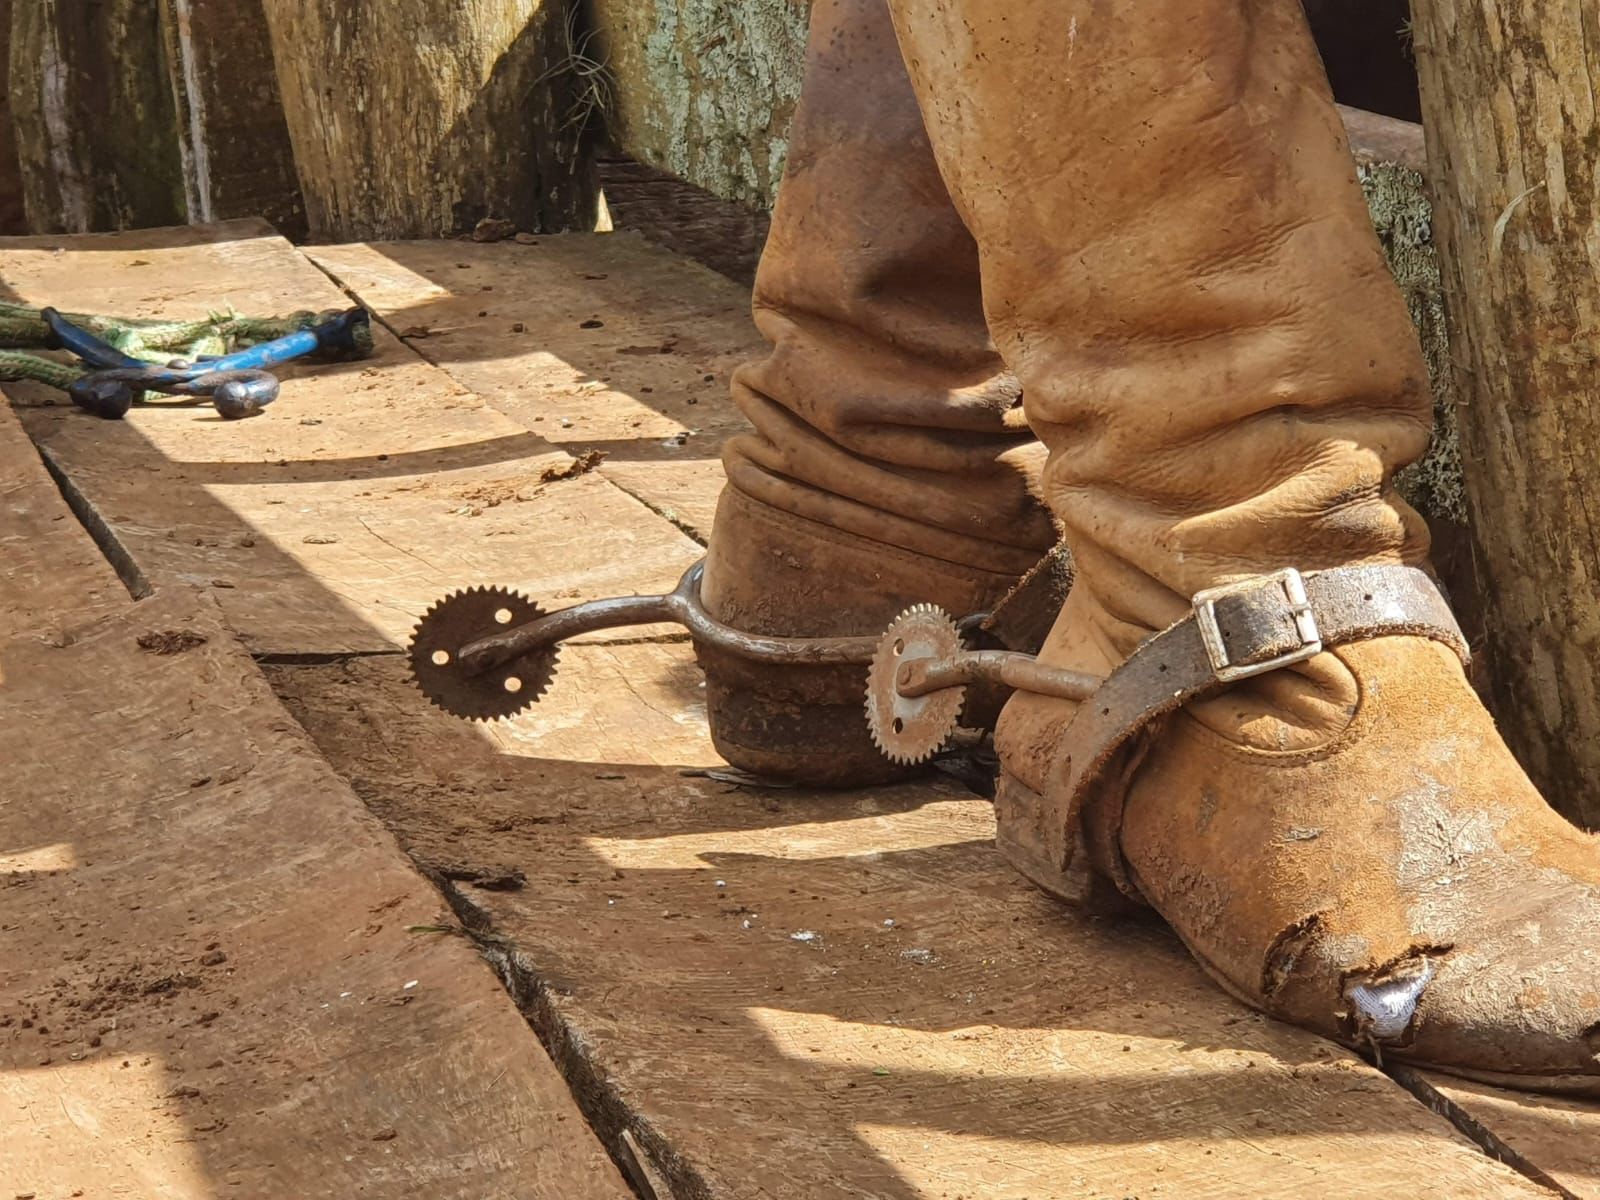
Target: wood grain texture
x=368, y=490
x=1513, y=145
x=705, y=89
x=1560, y=1135
x=593, y=341
x=788, y=995
x=725, y=235
x=414, y=119
x=234, y=141
x=210, y=983
x=92, y=105
x=52, y=576
x=13, y=218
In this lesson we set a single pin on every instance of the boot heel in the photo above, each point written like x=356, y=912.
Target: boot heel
x=813, y=732
x=1027, y=845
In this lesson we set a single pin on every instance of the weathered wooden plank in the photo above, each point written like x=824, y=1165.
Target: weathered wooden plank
x=13, y=217
x=142, y=112
x=367, y=491
x=791, y=994
x=52, y=576
x=1514, y=159
x=1561, y=1136
x=705, y=88
x=723, y=234
x=211, y=985
x=517, y=325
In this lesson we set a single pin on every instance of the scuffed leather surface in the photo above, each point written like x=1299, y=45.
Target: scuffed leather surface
x=889, y=463
x=882, y=408
x=772, y=572
x=1178, y=266
x=1412, y=835
x=1173, y=670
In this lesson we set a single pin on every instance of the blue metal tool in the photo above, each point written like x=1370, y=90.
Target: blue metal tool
x=238, y=383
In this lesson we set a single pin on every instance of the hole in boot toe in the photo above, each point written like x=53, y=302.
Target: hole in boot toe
x=1383, y=1003
x=1591, y=1039
x=1286, y=951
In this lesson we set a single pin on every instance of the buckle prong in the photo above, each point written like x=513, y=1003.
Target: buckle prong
x=1293, y=588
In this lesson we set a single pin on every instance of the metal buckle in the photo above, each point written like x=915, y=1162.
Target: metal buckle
x=1293, y=588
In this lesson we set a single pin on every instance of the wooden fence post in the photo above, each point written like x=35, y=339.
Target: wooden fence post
x=237, y=161
x=92, y=108
x=414, y=118
x=1513, y=143
x=131, y=113
x=12, y=217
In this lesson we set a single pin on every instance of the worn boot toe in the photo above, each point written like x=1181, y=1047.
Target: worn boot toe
x=1400, y=887
x=1517, y=1000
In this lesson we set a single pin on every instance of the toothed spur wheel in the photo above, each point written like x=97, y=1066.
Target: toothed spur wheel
x=912, y=729
x=460, y=619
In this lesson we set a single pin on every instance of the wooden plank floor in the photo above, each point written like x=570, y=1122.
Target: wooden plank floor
x=542, y=296
x=208, y=983
x=605, y=343
x=52, y=576
x=791, y=994
x=364, y=493
x=771, y=1034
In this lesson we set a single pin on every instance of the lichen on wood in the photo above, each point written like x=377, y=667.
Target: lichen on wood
x=93, y=113
x=1398, y=200
x=706, y=88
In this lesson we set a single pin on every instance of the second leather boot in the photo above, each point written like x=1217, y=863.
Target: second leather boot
x=889, y=462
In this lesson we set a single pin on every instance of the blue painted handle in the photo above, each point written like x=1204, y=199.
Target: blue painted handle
x=86, y=346
x=238, y=383
x=334, y=336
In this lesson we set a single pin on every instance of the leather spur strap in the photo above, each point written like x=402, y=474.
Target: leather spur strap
x=1260, y=624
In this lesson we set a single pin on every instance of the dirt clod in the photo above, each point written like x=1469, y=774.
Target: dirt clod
x=167, y=984
x=581, y=465
x=170, y=641
x=494, y=229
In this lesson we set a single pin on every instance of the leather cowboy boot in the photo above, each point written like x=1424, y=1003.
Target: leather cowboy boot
x=1292, y=771
x=889, y=462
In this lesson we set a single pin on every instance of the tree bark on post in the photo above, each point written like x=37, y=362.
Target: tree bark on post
x=1513, y=136
x=131, y=113
x=414, y=118
x=12, y=217
x=237, y=161
x=93, y=112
